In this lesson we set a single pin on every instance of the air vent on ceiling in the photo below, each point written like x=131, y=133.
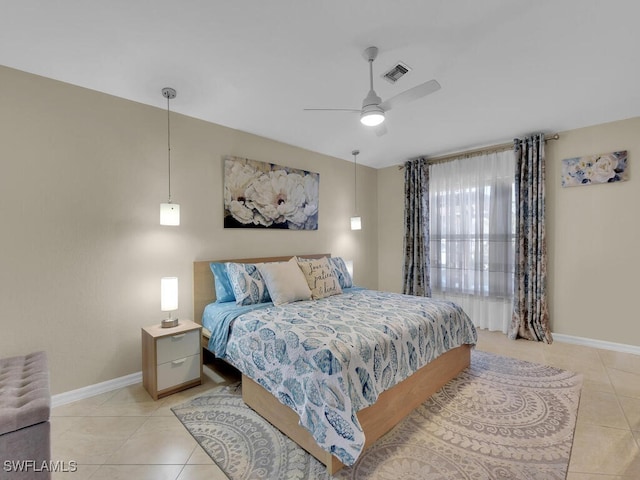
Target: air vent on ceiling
x=396, y=73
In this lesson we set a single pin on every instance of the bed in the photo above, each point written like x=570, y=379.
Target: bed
x=338, y=372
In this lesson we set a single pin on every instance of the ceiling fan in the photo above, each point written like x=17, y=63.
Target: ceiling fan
x=373, y=109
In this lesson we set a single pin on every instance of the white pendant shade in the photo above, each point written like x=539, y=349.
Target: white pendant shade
x=170, y=214
x=356, y=223
x=168, y=294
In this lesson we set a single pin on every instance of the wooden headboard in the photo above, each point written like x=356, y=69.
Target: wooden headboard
x=204, y=291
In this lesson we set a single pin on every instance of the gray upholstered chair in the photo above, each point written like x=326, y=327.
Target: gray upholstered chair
x=25, y=405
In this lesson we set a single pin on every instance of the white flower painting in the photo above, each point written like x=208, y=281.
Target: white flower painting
x=265, y=195
x=602, y=168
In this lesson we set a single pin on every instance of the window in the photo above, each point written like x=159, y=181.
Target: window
x=472, y=226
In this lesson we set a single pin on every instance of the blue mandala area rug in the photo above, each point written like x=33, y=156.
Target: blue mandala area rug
x=501, y=418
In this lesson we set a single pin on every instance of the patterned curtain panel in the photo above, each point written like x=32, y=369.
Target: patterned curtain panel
x=530, y=311
x=415, y=271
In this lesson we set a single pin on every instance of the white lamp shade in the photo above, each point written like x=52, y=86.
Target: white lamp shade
x=169, y=214
x=356, y=223
x=168, y=294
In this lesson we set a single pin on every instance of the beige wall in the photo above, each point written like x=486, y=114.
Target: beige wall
x=593, y=237
x=391, y=232
x=82, y=175
x=593, y=234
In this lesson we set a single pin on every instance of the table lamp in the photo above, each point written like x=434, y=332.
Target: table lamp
x=169, y=299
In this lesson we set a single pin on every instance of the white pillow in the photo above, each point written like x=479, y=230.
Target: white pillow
x=285, y=281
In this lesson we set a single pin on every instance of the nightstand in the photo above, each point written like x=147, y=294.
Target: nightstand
x=171, y=358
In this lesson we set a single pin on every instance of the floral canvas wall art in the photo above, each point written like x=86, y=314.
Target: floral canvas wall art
x=265, y=195
x=589, y=170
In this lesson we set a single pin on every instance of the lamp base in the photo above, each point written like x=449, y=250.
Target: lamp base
x=169, y=322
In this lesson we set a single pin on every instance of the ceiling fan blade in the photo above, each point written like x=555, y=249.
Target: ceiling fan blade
x=331, y=110
x=380, y=129
x=414, y=93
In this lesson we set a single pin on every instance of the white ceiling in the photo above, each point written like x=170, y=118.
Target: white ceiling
x=507, y=67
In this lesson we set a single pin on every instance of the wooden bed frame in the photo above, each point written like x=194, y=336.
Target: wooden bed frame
x=392, y=406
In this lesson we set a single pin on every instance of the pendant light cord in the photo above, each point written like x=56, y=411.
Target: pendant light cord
x=169, y=145
x=355, y=182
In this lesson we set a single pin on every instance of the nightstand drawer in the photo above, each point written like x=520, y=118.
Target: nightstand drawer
x=178, y=346
x=178, y=371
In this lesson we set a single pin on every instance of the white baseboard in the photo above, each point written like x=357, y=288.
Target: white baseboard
x=96, y=389
x=588, y=342
x=110, y=385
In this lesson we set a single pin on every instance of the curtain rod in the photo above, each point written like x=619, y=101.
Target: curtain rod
x=489, y=149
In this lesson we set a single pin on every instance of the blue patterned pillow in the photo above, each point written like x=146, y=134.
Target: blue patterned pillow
x=340, y=270
x=247, y=283
x=224, y=291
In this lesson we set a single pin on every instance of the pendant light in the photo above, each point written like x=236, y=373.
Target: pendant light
x=169, y=212
x=356, y=221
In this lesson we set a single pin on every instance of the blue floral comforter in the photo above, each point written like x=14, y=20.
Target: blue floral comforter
x=328, y=359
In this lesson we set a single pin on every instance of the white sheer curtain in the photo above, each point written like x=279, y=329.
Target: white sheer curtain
x=472, y=235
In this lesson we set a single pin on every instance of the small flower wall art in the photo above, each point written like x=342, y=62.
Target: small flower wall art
x=602, y=168
x=265, y=195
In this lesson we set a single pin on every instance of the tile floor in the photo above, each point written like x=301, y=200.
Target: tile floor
x=125, y=434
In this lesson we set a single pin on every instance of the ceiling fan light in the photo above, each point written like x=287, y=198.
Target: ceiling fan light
x=372, y=116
